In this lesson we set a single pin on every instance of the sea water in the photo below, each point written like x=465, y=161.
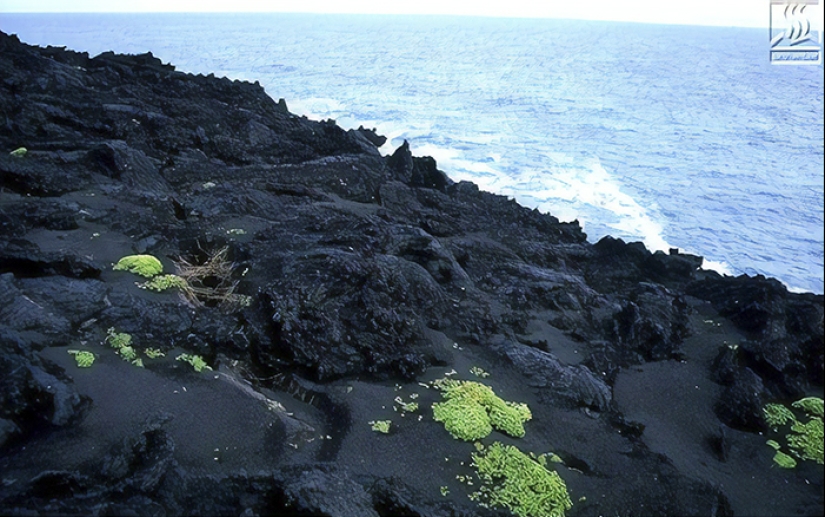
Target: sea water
x=676, y=136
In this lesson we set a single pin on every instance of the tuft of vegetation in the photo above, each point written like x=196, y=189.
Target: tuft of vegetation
x=196, y=361
x=153, y=353
x=513, y=480
x=812, y=405
x=19, y=152
x=118, y=340
x=164, y=282
x=122, y=343
x=211, y=282
x=406, y=407
x=83, y=358
x=471, y=410
x=804, y=439
x=479, y=372
x=381, y=426
x=143, y=265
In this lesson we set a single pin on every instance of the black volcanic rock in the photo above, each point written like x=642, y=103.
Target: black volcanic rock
x=349, y=281
x=373, y=137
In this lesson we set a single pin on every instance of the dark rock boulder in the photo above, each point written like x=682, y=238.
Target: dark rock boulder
x=740, y=405
x=325, y=490
x=401, y=163
x=373, y=136
x=653, y=323
x=35, y=394
x=618, y=264
x=574, y=386
x=783, y=355
x=336, y=314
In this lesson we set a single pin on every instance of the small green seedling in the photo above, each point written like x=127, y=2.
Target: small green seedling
x=122, y=343
x=143, y=265
x=479, y=372
x=153, y=353
x=83, y=358
x=19, y=152
x=196, y=361
x=406, y=407
x=117, y=340
x=381, y=426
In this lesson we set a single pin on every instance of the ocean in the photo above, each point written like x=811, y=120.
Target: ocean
x=677, y=136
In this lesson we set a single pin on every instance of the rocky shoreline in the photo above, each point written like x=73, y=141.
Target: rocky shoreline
x=326, y=283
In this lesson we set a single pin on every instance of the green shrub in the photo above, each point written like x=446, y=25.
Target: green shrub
x=196, y=361
x=143, y=265
x=122, y=343
x=471, y=410
x=83, y=358
x=381, y=426
x=805, y=439
x=511, y=479
x=164, y=282
x=118, y=340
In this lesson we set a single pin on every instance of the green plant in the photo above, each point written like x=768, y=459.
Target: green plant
x=164, y=282
x=777, y=415
x=196, y=361
x=381, y=426
x=153, y=353
x=479, y=372
x=117, y=340
x=122, y=343
x=84, y=358
x=805, y=439
x=511, y=479
x=812, y=405
x=471, y=410
x=143, y=265
x=19, y=152
x=406, y=407
x=780, y=458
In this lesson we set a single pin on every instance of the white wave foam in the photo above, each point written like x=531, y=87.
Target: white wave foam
x=721, y=267
x=569, y=190
x=598, y=188
x=317, y=108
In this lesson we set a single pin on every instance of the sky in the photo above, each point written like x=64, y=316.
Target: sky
x=741, y=13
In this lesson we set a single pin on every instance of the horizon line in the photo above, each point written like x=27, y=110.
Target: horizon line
x=432, y=15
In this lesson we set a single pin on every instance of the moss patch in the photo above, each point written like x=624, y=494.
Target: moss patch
x=471, y=410
x=381, y=426
x=164, y=282
x=143, y=265
x=514, y=480
x=805, y=439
